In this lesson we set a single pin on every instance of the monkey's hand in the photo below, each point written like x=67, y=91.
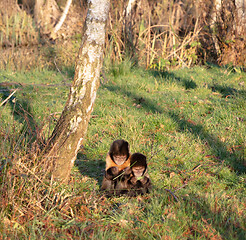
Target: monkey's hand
x=127, y=171
x=144, y=180
x=111, y=173
x=124, y=174
x=133, y=180
x=139, y=182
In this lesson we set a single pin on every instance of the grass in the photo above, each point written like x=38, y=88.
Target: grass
x=190, y=123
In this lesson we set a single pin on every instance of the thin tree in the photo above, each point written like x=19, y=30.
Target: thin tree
x=62, y=19
x=129, y=13
x=71, y=128
x=46, y=13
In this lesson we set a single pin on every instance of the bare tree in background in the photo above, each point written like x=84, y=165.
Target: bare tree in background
x=71, y=128
x=241, y=15
x=215, y=15
x=129, y=13
x=46, y=13
x=62, y=19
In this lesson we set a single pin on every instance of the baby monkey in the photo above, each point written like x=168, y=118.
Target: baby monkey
x=118, y=159
x=137, y=181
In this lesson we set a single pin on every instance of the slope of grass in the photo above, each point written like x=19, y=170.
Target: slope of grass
x=191, y=125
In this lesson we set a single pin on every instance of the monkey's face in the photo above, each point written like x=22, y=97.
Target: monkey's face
x=119, y=151
x=138, y=171
x=119, y=159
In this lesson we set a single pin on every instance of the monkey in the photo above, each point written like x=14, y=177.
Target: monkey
x=139, y=182
x=135, y=180
x=117, y=159
x=119, y=155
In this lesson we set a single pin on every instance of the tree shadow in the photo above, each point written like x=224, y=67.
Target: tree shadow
x=146, y=103
x=227, y=91
x=163, y=75
x=216, y=146
x=92, y=168
x=22, y=111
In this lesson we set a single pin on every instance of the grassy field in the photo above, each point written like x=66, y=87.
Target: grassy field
x=191, y=125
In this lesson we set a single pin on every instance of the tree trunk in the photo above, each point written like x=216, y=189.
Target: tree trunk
x=71, y=128
x=62, y=19
x=216, y=11
x=46, y=13
x=128, y=28
x=241, y=16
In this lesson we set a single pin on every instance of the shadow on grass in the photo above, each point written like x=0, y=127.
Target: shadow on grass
x=187, y=83
x=227, y=91
x=22, y=111
x=214, y=218
x=146, y=103
x=90, y=167
x=217, y=147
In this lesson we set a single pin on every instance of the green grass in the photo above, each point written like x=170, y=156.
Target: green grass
x=191, y=125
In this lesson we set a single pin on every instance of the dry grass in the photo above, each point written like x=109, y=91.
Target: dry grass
x=17, y=30
x=158, y=35
x=164, y=34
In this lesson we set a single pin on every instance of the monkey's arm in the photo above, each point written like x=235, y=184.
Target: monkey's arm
x=111, y=173
x=138, y=186
x=107, y=184
x=144, y=180
x=125, y=174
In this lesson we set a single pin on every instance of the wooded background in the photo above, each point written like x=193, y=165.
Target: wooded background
x=157, y=34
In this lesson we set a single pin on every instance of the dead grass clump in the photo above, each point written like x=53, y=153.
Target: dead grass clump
x=156, y=34
x=164, y=34
x=26, y=190
x=17, y=30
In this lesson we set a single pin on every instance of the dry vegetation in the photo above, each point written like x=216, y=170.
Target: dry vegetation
x=157, y=34
x=163, y=34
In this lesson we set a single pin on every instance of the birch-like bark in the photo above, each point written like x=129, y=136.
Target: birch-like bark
x=241, y=16
x=71, y=128
x=62, y=19
x=128, y=26
x=215, y=12
x=130, y=5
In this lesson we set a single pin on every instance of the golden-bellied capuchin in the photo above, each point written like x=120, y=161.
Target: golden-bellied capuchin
x=118, y=159
x=139, y=183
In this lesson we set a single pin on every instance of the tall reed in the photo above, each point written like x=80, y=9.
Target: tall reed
x=176, y=34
